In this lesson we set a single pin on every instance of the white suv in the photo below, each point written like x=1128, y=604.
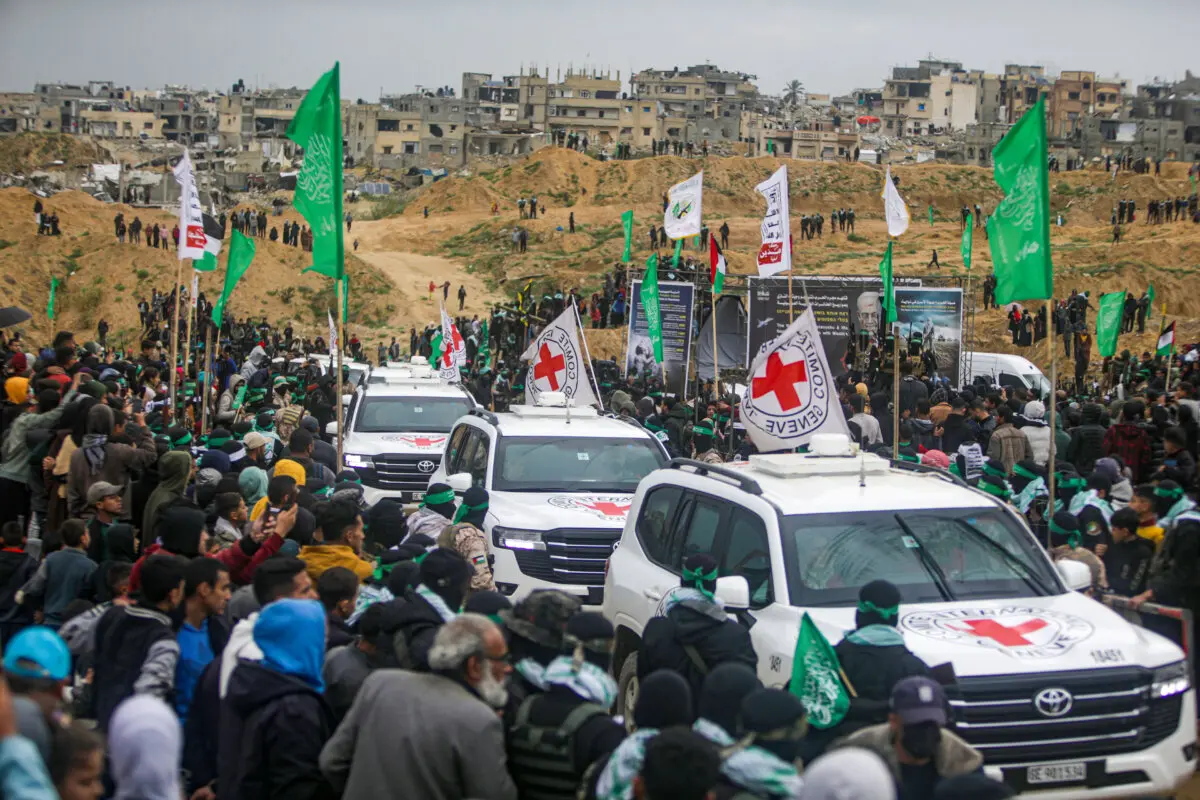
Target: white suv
x=560, y=482
x=1063, y=696
x=396, y=432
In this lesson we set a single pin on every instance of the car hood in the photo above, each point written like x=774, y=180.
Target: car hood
x=988, y=637
x=549, y=510
x=373, y=444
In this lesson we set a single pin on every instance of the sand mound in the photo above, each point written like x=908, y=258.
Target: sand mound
x=26, y=152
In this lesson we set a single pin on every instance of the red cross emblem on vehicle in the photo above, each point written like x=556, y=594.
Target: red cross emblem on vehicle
x=608, y=509
x=424, y=441
x=781, y=380
x=1008, y=636
x=549, y=366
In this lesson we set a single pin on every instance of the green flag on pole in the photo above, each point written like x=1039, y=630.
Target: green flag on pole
x=678, y=253
x=241, y=253
x=1108, y=322
x=931, y=215
x=649, y=295
x=50, y=302
x=1019, y=230
x=967, y=240
x=345, y=296
x=435, y=346
x=817, y=677
x=889, y=288
x=1192, y=177
x=627, y=224
x=483, y=356
x=317, y=127
x=1150, y=294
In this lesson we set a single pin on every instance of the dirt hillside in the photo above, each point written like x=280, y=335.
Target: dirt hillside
x=26, y=152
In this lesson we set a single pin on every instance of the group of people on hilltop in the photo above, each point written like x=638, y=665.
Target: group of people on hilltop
x=157, y=236
x=46, y=221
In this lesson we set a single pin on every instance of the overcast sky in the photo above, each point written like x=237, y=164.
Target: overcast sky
x=397, y=44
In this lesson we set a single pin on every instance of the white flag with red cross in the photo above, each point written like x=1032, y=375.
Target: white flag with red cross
x=454, y=350
x=557, y=364
x=790, y=392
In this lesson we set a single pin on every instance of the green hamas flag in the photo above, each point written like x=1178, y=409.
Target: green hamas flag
x=678, y=254
x=627, y=224
x=483, y=356
x=50, y=302
x=317, y=128
x=1150, y=294
x=649, y=295
x=889, y=287
x=816, y=677
x=931, y=215
x=1108, y=322
x=1019, y=230
x=241, y=253
x=967, y=240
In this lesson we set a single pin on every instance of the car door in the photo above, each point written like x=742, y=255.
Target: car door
x=452, y=457
x=475, y=458
x=645, y=577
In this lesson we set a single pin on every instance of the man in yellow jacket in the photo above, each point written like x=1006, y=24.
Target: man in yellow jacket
x=340, y=529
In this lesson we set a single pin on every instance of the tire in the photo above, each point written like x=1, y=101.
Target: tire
x=627, y=688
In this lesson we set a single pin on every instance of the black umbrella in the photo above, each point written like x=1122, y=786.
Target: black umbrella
x=11, y=315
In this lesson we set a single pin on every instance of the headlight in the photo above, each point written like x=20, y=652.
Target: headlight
x=1170, y=680
x=517, y=539
x=354, y=460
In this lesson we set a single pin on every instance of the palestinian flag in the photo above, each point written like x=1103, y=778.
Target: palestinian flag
x=1166, y=341
x=213, y=236
x=716, y=265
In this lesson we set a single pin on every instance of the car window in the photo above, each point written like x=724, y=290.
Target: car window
x=655, y=523
x=703, y=525
x=748, y=554
x=476, y=459
x=1008, y=379
x=454, y=451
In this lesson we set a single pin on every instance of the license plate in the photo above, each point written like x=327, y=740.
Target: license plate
x=1057, y=773
x=416, y=496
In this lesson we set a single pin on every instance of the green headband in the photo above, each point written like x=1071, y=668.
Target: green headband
x=1172, y=494
x=465, y=509
x=185, y=439
x=697, y=579
x=382, y=570
x=650, y=426
x=422, y=557
x=866, y=606
x=216, y=441
x=988, y=469
x=439, y=499
x=1072, y=483
x=702, y=430
x=1025, y=473
x=1072, y=536
x=994, y=490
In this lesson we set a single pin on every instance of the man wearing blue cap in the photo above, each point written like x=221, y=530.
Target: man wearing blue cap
x=38, y=666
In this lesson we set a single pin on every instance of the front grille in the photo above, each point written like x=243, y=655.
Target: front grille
x=1111, y=713
x=572, y=556
x=399, y=473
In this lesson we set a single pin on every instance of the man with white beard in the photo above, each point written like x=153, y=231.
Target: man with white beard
x=407, y=733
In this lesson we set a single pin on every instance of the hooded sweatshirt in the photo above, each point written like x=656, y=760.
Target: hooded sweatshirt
x=145, y=743
x=1037, y=431
x=174, y=469
x=101, y=460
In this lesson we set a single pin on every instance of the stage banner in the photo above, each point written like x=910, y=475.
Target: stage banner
x=675, y=303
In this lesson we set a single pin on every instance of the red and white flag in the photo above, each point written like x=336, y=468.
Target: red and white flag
x=191, y=214
x=454, y=350
x=790, y=392
x=775, y=255
x=557, y=363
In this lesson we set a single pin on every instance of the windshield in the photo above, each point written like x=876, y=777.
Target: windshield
x=931, y=556
x=574, y=465
x=410, y=414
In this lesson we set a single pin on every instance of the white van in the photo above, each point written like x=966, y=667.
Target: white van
x=1002, y=369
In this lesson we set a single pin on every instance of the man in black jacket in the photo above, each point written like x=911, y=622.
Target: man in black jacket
x=1087, y=439
x=955, y=430
x=275, y=711
x=445, y=581
x=911, y=389
x=1127, y=559
x=694, y=634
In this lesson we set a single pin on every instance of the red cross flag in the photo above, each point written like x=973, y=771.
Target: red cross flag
x=454, y=350
x=557, y=363
x=790, y=394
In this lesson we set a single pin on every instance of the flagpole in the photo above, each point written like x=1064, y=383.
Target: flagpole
x=791, y=313
x=895, y=388
x=175, y=336
x=587, y=355
x=340, y=407
x=206, y=383
x=1053, y=434
x=188, y=340
x=716, y=372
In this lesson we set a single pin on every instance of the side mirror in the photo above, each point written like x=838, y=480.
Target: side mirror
x=459, y=481
x=734, y=592
x=1076, y=575
x=346, y=400
x=331, y=428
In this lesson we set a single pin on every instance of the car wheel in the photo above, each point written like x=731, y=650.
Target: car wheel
x=627, y=689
